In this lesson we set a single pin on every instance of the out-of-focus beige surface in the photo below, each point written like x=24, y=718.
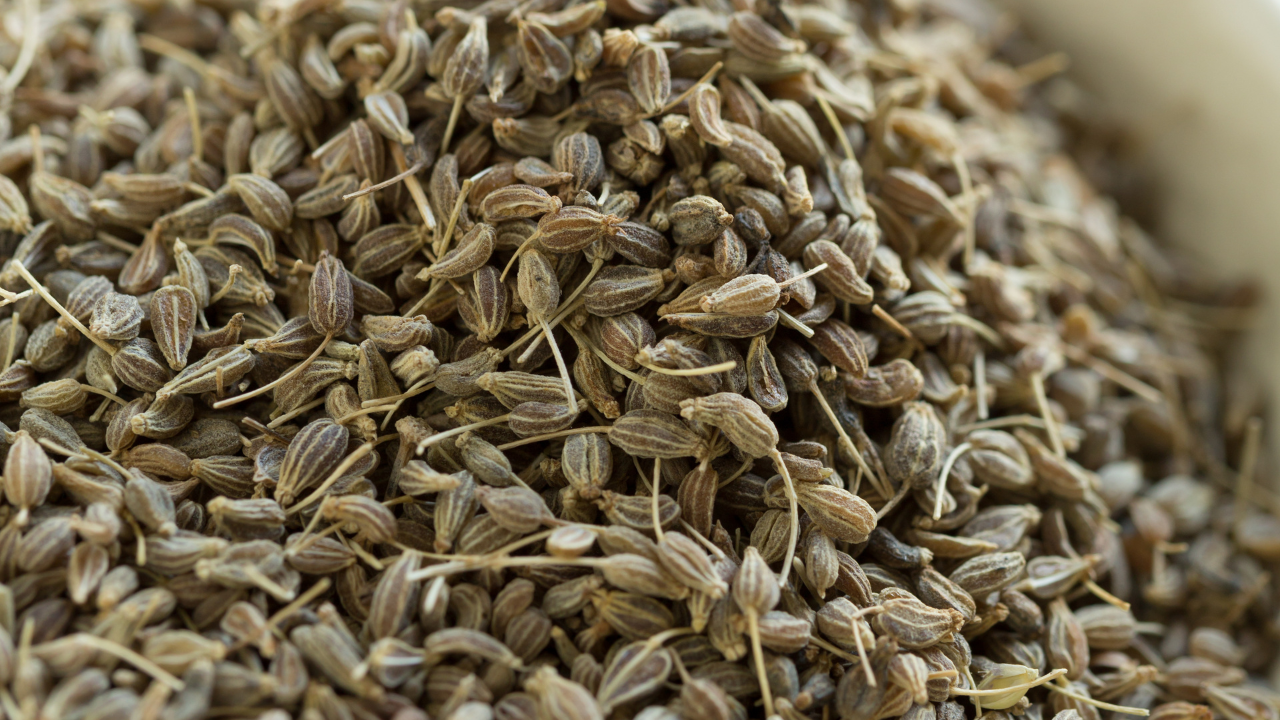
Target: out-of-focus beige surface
x=1199, y=83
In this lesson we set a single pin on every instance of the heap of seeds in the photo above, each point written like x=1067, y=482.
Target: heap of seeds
x=547, y=360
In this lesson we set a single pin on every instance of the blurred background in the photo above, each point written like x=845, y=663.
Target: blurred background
x=1197, y=83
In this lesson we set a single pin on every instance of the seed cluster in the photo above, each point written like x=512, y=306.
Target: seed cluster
x=585, y=359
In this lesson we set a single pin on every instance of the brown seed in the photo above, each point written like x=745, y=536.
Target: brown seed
x=173, y=320
x=331, y=297
x=622, y=288
x=384, y=250
x=698, y=220
x=842, y=346
x=116, y=317
x=649, y=77
x=841, y=514
x=141, y=365
x=58, y=396
x=267, y=202
x=546, y=61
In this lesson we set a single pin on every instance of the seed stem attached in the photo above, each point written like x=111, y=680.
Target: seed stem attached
x=293, y=372
x=453, y=122
x=131, y=657
x=795, y=515
x=1050, y=423
x=44, y=294
x=725, y=366
x=441, y=246
x=657, y=480
x=959, y=450
x=757, y=652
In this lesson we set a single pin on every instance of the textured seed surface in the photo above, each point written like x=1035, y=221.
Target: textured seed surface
x=662, y=360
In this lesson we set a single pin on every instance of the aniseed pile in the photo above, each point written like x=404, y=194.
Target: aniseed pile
x=533, y=360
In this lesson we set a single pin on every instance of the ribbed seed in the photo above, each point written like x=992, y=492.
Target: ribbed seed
x=267, y=202
x=546, y=60
x=623, y=288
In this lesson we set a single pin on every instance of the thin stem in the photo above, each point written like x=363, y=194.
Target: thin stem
x=261, y=43
x=362, y=412
x=803, y=275
x=132, y=658
x=564, y=370
x=737, y=473
x=566, y=308
x=525, y=542
x=14, y=322
x=140, y=554
x=1059, y=687
x=1050, y=423
x=1248, y=466
x=44, y=294
x=1042, y=68
x=753, y=623
x=414, y=170
x=844, y=437
x=426, y=296
x=1002, y=422
x=84, y=452
x=442, y=245
x=979, y=327
x=831, y=649
x=693, y=533
x=942, y=477
x=657, y=478
x=104, y=393
x=789, y=320
x=334, y=476
x=11, y=707
x=453, y=122
x=432, y=440
x=795, y=515
x=516, y=255
x=755, y=93
x=267, y=585
x=1103, y=595
x=415, y=187
x=9, y=298
x=892, y=322
x=903, y=489
x=706, y=77
x=315, y=591
x=361, y=553
x=30, y=43
x=107, y=238
x=582, y=338
x=295, y=413
x=197, y=188
x=193, y=111
x=233, y=272
x=725, y=366
x=980, y=382
x=102, y=408
x=966, y=190
x=558, y=434
x=1112, y=373
x=1012, y=688
x=293, y=372
x=862, y=651
x=307, y=538
x=418, y=388
x=830, y=114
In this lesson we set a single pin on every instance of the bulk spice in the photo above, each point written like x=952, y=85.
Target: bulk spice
x=533, y=360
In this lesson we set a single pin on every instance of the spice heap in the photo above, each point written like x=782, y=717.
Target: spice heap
x=533, y=360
